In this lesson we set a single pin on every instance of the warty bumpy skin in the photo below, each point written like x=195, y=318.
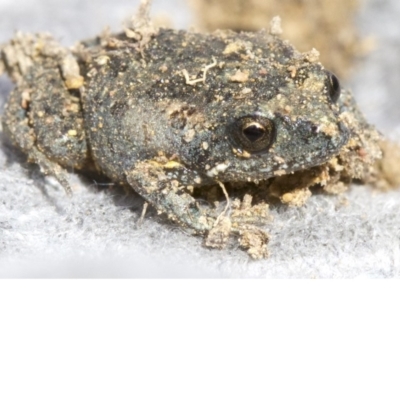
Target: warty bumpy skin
x=164, y=111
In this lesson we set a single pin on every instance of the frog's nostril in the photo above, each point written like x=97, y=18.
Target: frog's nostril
x=314, y=129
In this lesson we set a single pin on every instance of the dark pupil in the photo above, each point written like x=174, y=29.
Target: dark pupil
x=254, y=133
x=334, y=87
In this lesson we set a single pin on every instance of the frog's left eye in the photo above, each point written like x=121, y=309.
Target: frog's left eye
x=254, y=134
x=333, y=87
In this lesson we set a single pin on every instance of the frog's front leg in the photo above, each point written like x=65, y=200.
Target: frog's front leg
x=164, y=185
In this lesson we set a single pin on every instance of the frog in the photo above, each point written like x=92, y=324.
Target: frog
x=166, y=111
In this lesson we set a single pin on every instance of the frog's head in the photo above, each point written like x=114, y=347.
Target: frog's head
x=269, y=117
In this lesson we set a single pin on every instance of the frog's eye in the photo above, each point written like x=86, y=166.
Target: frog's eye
x=255, y=134
x=333, y=87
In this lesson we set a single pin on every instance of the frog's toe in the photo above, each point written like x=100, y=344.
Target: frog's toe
x=48, y=167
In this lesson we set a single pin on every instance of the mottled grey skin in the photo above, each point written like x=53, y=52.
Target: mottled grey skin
x=137, y=121
x=138, y=118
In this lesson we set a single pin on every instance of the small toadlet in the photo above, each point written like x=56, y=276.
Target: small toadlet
x=164, y=111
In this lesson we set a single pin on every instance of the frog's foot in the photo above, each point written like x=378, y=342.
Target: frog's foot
x=241, y=218
x=48, y=167
x=156, y=182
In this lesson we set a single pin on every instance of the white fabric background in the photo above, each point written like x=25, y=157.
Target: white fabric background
x=45, y=234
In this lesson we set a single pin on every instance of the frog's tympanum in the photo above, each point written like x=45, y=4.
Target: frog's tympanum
x=166, y=111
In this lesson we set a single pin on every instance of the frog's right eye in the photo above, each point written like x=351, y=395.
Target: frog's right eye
x=254, y=134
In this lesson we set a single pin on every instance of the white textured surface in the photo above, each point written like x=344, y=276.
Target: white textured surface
x=45, y=234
